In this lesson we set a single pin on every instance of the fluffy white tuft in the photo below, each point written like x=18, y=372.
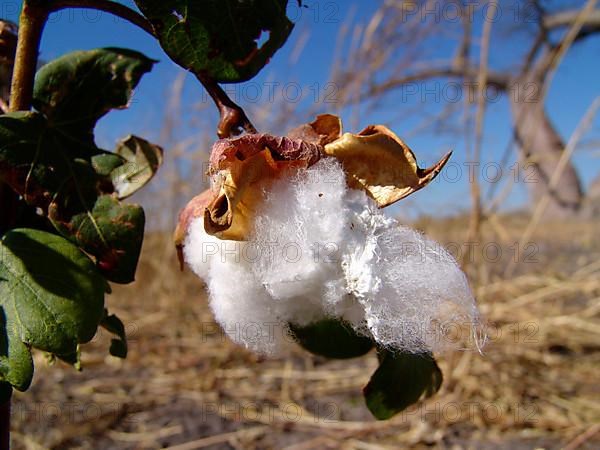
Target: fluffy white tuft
x=321, y=250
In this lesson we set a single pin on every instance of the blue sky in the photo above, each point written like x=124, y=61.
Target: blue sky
x=306, y=59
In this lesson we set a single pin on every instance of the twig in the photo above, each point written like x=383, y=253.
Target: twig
x=499, y=80
x=220, y=438
x=580, y=439
x=233, y=118
x=493, y=200
x=567, y=18
x=554, y=58
x=482, y=83
x=107, y=6
x=31, y=24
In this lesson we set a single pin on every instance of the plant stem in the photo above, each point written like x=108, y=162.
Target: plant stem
x=8, y=48
x=5, y=396
x=233, y=117
x=107, y=6
x=31, y=23
x=5, y=425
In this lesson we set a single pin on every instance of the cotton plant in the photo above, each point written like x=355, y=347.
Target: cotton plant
x=294, y=245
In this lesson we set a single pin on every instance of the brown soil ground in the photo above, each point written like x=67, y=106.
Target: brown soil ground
x=186, y=386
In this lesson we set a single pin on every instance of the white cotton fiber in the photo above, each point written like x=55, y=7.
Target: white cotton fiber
x=412, y=290
x=321, y=250
x=240, y=303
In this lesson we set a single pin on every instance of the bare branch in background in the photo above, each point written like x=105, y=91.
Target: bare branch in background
x=550, y=62
x=563, y=162
x=498, y=80
x=412, y=54
x=568, y=18
x=474, y=231
x=461, y=59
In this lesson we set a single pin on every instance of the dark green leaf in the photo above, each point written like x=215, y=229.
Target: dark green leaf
x=118, y=347
x=218, y=38
x=51, y=298
x=400, y=381
x=331, y=338
x=39, y=165
x=112, y=231
x=75, y=90
x=31, y=160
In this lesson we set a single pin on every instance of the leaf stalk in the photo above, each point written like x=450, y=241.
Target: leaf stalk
x=108, y=6
x=233, y=118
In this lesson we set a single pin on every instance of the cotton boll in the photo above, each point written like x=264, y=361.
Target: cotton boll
x=319, y=249
x=333, y=253
x=388, y=281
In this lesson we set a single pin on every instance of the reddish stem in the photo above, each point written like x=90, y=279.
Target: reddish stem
x=233, y=118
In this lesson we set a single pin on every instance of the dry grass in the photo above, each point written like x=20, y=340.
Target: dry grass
x=185, y=386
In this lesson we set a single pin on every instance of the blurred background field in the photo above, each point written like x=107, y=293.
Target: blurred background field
x=528, y=239
x=185, y=385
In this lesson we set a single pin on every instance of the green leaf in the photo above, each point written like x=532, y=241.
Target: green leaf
x=331, y=338
x=400, y=381
x=142, y=160
x=77, y=89
x=51, y=298
x=32, y=161
x=39, y=165
x=112, y=231
x=106, y=162
x=118, y=347
x=218, y=38
x=52, y=161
